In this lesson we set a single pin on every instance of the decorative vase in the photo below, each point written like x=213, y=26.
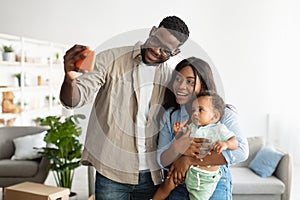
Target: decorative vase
x=9, y=56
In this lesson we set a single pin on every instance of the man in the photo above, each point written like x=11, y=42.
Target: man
x=121, y=139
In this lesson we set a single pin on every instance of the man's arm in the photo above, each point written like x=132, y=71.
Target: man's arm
x=69, y=93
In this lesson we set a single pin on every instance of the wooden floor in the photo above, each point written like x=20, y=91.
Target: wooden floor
x=80, y=184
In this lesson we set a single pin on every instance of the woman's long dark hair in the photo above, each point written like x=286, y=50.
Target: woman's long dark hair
x=200, y=69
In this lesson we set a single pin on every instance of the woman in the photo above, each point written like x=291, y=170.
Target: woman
x=190, y=77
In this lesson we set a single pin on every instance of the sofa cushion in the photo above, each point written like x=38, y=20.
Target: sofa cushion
x=25, y=146
x=8, y=133
x=245, y=181
x=255, y=144
x=20, y=168
x=265, y=161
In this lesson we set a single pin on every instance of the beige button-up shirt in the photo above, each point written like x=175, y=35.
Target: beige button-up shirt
x=111, y=140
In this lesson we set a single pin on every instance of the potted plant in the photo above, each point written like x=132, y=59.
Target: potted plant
x=47, y=98
x=18, y=76
x=64, y=148
x=8, y=54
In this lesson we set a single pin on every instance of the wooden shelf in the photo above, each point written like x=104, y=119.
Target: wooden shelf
x=8, y=63
x=35, y=58
x=9, y=89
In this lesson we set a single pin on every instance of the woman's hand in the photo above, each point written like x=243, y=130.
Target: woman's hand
x=193, y=150
x=179, y=126
x=183, y=142
x=204, y=146
x=178, y=169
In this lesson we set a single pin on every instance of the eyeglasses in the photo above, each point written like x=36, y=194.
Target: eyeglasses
x=153, y=41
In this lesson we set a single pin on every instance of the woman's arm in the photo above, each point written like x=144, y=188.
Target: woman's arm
x=177, y=148
x=240, y=154
x=230, y=120
x=179, y=167
x=165, y=139
x=184, y=145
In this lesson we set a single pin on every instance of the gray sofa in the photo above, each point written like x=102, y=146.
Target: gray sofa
x=248, y=186
x=17, y=171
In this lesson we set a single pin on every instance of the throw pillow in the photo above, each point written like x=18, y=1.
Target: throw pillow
x=265, y=161
x=25, y=146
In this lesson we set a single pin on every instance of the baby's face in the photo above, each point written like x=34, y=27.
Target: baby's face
x=203, y=111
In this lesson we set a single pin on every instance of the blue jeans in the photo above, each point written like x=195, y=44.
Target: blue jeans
x=107, y=189
x=223, y=190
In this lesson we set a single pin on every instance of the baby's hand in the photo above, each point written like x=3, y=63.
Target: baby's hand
x=220, y=146
x=178, y=126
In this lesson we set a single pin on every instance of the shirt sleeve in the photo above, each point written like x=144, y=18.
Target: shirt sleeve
x=230, y=120
x=226, y=134
x=166, y=136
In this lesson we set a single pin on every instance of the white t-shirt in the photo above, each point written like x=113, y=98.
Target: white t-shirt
x=146, y=78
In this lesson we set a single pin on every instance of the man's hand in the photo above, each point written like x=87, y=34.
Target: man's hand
x=69, y=93
x=72, y=55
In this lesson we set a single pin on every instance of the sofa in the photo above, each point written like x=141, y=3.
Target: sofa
x=17, y=171
x=247, y=185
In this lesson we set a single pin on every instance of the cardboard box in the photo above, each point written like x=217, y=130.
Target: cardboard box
x=35, y=191
x=92, y=197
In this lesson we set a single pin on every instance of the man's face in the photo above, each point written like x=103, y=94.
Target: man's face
x=160, y=46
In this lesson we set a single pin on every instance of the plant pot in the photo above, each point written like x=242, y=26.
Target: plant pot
x=19, y=82
x=9, y=56
x=73, y=196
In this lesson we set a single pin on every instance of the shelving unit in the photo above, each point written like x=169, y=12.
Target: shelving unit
x=40, y=65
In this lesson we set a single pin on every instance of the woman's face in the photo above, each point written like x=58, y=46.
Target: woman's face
x=185, y=85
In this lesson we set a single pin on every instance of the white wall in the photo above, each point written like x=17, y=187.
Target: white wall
x=253, y=44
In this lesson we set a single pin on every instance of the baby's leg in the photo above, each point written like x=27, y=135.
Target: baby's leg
x=165, y=189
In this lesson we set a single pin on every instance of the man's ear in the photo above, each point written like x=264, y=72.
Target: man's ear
x=153, y=29
x=177, y=51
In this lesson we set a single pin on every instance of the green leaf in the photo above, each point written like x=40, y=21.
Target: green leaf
x=63, y=146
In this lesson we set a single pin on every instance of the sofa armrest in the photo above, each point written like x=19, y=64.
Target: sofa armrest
x=284, y=173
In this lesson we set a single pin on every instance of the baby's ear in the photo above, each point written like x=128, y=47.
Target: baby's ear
x=217, y=116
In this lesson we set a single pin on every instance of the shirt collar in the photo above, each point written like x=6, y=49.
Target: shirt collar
x=137, y=51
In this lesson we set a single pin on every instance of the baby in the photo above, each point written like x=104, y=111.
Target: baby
x=201, y=181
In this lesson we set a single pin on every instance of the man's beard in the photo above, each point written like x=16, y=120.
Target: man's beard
x=143, y=53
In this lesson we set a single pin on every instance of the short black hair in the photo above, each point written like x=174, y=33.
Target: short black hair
x=216, y=100
x=177, y=27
